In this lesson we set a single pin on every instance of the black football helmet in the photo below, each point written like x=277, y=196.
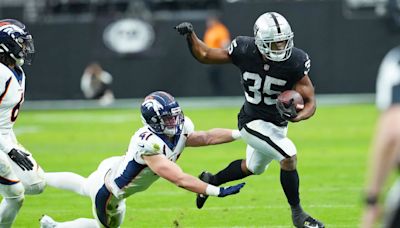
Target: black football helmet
x=16, y=41
x=162, y=113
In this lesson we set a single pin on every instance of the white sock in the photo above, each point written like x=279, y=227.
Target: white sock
x=81, y=223
x=67, y=181
x=9, y=208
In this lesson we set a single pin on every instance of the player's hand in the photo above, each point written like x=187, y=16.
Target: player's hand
x=184, y=28
x=226, y=191
x=21, y=158
x=287, y=111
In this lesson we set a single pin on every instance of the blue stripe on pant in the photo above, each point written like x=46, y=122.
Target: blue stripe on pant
x=6, y=181
x=102, y=198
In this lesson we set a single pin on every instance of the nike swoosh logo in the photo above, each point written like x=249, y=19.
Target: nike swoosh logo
x=141, y=145
x=308, y=226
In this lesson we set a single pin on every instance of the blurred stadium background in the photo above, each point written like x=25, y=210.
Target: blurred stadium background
x=346, y=41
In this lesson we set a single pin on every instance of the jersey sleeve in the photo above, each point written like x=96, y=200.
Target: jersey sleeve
x=144, y=144
x=148, y=148
x=307, y=64
x=388, y=81
x=188, y=126
x=304, y=65
x=236, y=49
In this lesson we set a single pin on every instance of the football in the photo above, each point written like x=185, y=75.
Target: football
x=288, y=95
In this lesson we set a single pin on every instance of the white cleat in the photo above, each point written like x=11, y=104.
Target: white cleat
x=47, y=222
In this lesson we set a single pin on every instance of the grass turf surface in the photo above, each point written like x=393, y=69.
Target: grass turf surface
x=332, y=150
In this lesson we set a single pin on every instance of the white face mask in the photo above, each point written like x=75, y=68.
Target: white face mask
x=277, y=56
x=170, y=131
x=172, y=125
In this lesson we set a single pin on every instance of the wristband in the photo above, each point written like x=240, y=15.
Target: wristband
x=212, y=190
x=371, y=200
x=236, y=134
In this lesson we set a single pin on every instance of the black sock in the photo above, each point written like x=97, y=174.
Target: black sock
x=290, y=185
x=232, y=172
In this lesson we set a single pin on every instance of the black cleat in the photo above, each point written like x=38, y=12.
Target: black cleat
x=310, y=222
x=201, y=199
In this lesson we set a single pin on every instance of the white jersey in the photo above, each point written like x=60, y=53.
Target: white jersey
x=12, y=88
x=130, y=174
x=388, y=81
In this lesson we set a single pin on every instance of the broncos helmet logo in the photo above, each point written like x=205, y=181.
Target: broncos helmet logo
x=10, y=28
x=153, y=104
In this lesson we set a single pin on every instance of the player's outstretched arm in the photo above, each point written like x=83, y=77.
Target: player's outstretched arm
x=212, y=137
x=382, y=162
x=173, y=173
x=306, y=89
x=199, y=49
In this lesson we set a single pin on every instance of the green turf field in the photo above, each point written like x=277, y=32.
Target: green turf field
x=332, y=151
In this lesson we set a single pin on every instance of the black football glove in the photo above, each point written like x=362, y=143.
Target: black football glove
x=184, y=28
x=287, y=111
x=21, y=158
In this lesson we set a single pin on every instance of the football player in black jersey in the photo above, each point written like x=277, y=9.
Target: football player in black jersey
x=385, y=151
x=269, y=64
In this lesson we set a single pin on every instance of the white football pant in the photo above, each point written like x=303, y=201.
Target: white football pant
x=106, y=208
x=14, y=182
x=265, y=142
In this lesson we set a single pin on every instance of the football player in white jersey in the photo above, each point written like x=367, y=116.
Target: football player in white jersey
x=385, y=151
x=19, y=172
x=152, y=153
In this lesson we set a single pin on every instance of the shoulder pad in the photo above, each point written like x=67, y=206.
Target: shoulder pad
x=188, y=126
x=240, y=45
x=301, y=61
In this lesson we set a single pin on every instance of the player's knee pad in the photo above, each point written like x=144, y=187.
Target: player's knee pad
x=36, y=188
x=257, y=166
x=256, y=169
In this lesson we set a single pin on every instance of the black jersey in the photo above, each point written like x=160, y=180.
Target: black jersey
x=263, y=80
